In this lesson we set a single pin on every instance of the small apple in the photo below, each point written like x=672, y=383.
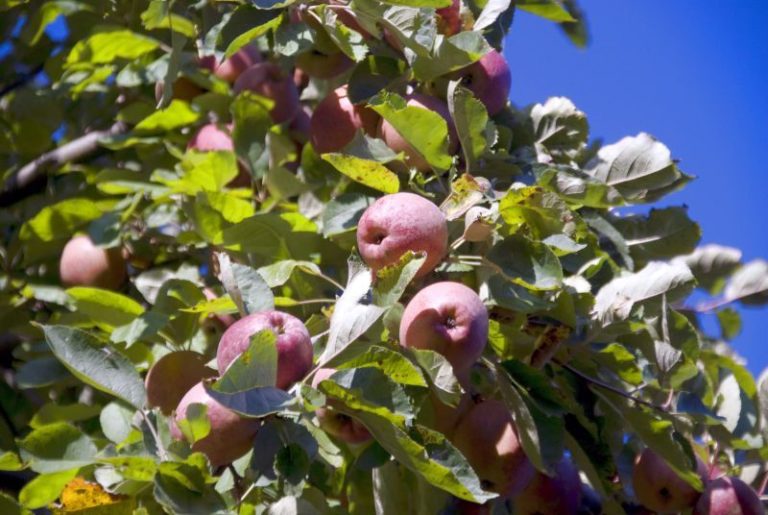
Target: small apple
x=294, y=346
x=210, y=137
x=183, y=89
x=268, y=80
x=336, y=120
x=172, y=376
x=486, y=436
x=338, y=424
x=84, y=264
x=323, y=66
x=659, y=488
x=400, y=222
x=489, y=79
x=397, y=143
x=559, y=494
x=449, y=19
x=230, y=436
x=449, y=318
x=231, y=68
x=728, y=496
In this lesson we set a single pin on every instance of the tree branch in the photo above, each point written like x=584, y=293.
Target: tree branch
x=25, y=78
x=68, y=152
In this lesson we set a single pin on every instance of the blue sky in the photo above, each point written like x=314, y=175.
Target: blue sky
x=695, y=75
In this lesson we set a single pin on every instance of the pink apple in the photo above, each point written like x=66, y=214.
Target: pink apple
x=294, y=346
x=400, y=222
x=728, y=496
x=338, y=424
x=659, y=488
x=231, y=68
x=559, y=494
x=211, y=137
x=489, y=79
x=323, y=66
x=83, y=263
x=172, y=376
x=231, y=435
x=268, y=80
x=397, y=143
x=336, y=120
x=448, y=318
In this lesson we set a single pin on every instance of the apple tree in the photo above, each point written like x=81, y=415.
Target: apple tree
x=305, y=257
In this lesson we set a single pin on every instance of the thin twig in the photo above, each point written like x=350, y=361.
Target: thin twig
x=313, y=301
x=325, y=277
x=25, y=78
x=153, y=431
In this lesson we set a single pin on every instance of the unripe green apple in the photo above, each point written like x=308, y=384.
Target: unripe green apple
x=336, y=120
x=268, y=80
x=728, y=496
x=84, y=264
x=487, y=437
x=659, y=488
x=400, y=222
x=172, y=376
x=559, y=494
x=489, y=79
x=338, y=424
x=294, y=346
x=230, y=436
x=449, y=318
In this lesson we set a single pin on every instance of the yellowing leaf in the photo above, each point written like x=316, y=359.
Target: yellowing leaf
x=370, y=173
x=81, y=496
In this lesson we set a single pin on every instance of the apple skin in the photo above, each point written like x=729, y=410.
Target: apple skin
x=336, y=120
x=557, y=495
x=210, y=137
x=268, y=80
x=659, y=488
x=183, y=89
x=449, y=318
x=338, y=424
x=294, y=346
x=486, y=436
x=489, y=79
x=231, y=435
x=396, y=142
x=83, y=263
x=172, y=376
x=400, y=222
x=232, y=67
x=728, y=496
x=323, y=66
x=449, y=19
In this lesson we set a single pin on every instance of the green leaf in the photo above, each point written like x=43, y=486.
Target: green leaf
x=256, y=402
x=42, y=17
x=576, y=187
x=616, y=358
x=247, y=288
x=393, y=279
x=266, y=23
x=195, y=425
x=57, y=447
x=749, y=284
x=62, y=219
x=277, y=274
x=176, y=488
x=528, y=263
x=450, y=54
x=250, y=114
x=712, y=265
x=393, y=364
x=471, y=118
x=256, y=367
x=104, y=306
x=178, y=114
x=730, y=323
x=558, y=130
x=116, y=421
x=157, y=17
x=662, y=234
x=366, y=172
x=92, y=362
x=441, y=375
x=51, y=413
x=425, y=130
x=45, y=488
x=420, y=3
x=10, y=462
x=109, y=44
x=552, y=10
x=9, y=506
x=342, y=213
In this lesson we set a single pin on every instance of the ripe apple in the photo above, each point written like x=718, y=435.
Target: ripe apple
x=449, y=19
x=659, y=488
x=489, y=79
x=728, y=496
x=211, y=137
x=323, y=66
x=336, y=120
x=486, y=436
x=556, y=495
x=397, y=143
x=231, y=68
x=294, y=347
x=338, y=424
x=172, y=376
x=445, y=417
x=84, y=264
x=183, y=89
x=268, y=80
x=400, y=222
x=231, y=435
x=449, y=318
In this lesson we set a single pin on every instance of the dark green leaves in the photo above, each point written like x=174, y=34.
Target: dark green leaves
x=527, y=263
x=57, y=447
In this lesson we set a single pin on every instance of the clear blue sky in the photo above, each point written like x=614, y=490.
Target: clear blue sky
x=692, y=73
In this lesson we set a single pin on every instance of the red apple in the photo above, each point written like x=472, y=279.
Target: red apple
x=659, y=488
x=172, y=376
x=487, y=437
x=294, y=346
x=268, y=80
x=231, y=435
x=397, y=143
x=728, y=496
x=84, y=264
x=231, y=68
x=336, y=120
x=448, y=318
x=338, y=424
x=489, y=79
x=323, y=66
x=559, y=494
x=449, y=19
x=400, y=222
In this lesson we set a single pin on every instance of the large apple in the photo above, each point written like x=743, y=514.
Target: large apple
x=85, y=264
x=400, y=222
x=231, y=68
x=486, y=436
x=294, y=346
x=338, y=424
x=323, y=65
x=489, y=79
x=230, y=436
x=728, y=496
x=336, y=120
x=559, y=494
x=172, y=376
x=449, y=318
x=396, y=142
x=659, y=488
x=268, y=80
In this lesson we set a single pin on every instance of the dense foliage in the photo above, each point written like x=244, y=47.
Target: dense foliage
x=190, y=191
